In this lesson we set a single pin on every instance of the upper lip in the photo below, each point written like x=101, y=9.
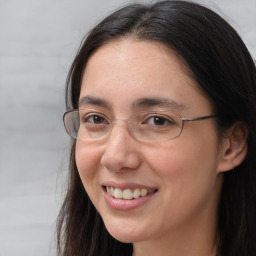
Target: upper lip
x=127, y=185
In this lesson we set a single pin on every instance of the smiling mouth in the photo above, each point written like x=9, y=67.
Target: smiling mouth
x=128, y=194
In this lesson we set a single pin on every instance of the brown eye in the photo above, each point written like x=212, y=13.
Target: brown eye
x=158, y=121
x=95, y=119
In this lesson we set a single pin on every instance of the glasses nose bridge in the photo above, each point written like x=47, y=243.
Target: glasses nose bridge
x=119, y=121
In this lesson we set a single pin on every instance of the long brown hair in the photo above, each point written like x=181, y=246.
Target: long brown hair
x=224, y=70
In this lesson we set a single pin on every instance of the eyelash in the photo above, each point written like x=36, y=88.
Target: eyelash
x=161, y=118
x=86, y=118
x=149, y=119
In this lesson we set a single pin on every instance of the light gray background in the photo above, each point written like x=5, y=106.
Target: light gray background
x=38, y=40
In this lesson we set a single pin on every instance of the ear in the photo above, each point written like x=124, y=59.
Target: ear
x=233, y=147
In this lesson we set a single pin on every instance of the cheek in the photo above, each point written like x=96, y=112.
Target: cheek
x=188, y=181
x=179, y=158
x=88, y=161
x=186, y=172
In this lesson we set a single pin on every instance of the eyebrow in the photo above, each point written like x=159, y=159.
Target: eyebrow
x=142, y=102
x=156, y=101
x=90, y=100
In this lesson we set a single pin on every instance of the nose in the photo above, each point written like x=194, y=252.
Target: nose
x=121, y=151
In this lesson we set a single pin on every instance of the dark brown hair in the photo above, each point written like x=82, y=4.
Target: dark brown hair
x=221, y=65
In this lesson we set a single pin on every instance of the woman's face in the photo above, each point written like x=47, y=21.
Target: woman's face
x=180, y=176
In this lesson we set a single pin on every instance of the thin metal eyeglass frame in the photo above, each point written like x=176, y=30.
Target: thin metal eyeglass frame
x=183, y=120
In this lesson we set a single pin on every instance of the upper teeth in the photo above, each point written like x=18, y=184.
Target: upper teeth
x=128, y=193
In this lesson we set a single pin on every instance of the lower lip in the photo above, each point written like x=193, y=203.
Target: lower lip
x=125, y=205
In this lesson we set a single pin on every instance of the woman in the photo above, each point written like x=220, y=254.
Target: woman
x=161, y=107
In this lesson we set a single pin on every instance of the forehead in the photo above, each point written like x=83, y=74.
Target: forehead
x=128, y=69
x=128, y=50
x=134, y=55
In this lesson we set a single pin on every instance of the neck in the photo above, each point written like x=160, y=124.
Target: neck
x=187, y=246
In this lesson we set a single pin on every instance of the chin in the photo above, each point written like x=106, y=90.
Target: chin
x=125, y=238
x=124, y=235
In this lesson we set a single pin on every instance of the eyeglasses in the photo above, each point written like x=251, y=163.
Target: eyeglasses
x=144, y=126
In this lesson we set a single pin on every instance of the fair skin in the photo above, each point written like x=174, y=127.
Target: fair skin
x=179, y=217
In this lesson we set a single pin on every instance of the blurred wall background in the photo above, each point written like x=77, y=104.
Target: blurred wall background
x=38, y=40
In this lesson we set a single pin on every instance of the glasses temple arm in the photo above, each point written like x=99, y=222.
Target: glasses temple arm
x=198, y=118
